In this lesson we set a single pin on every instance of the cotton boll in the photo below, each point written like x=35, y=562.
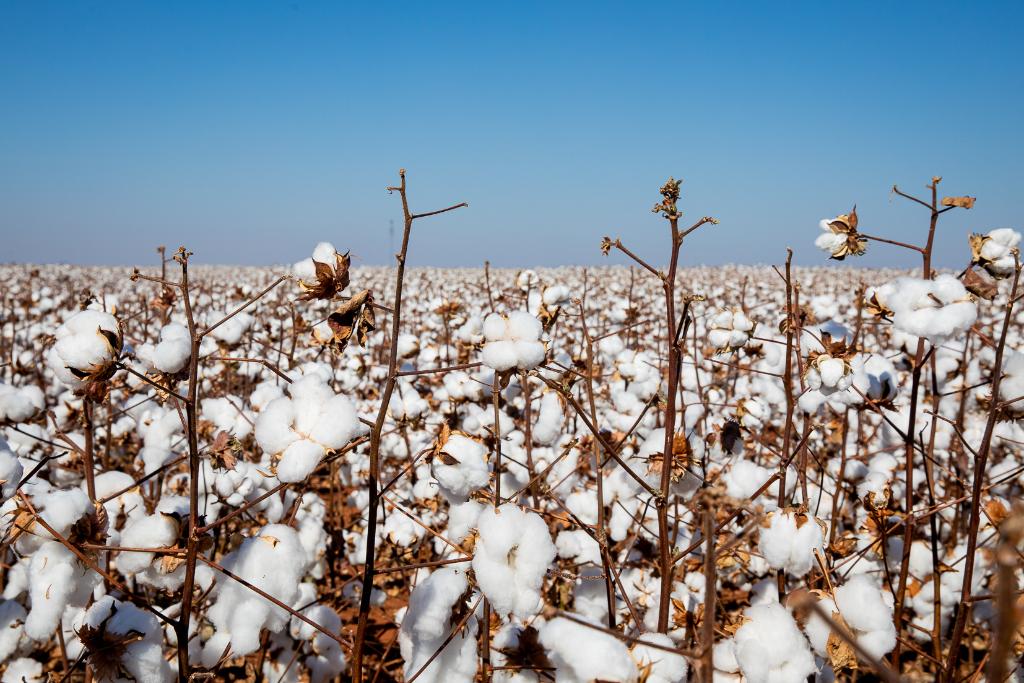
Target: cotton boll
x=12, y=632
x=460, y=467
x=550, y=419
x=426, y=625
x=87, y=344
x=789, y=542
x=273, y=561
x=867, y=610
x=512, y=342
x=582, y=654
x=500, y=355
x=23, y=670
x=11, y=472
x=770, y=646
x=512, y=556
x=301, y=428
x=142, y=659
x=662, y=666
x=495, y=328
x=57, y=580
x=19, y=404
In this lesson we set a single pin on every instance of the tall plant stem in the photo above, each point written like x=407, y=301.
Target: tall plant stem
x=378, y=427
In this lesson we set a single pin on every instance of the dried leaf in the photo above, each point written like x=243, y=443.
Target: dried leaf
x=962, y=202
x=980, y=284
x=840, y=653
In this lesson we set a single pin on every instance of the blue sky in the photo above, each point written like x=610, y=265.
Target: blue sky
x=248, y=131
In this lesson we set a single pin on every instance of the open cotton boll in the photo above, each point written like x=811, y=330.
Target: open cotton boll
x=273, y=561
x=172, y=352
x=18, y=404
x=770, y=646
x=109, y=621
x=512, y=342
x=231, y=330
x=57, y=580
x=86, y=346
x=150, y=531
x=867, y=610
x=936, y=310
x=299, y=429
x=512, y=556
x=729, y=330
x=460, y=467
x=662, y=666
x=12, y=631
x=23, y=670
x=1011, y=386
x=995, y=251
x=581, y=654
x=11, y=472
x=789, y=542
x=550, y=420
x=427, y=623
x=322, y=253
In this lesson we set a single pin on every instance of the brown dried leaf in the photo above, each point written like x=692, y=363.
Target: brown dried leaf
x=962, y=202
x=840, y=653
x=980, y=284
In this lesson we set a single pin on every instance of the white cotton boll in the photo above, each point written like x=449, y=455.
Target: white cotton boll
x=529, y=354
x=582, y=654
x=273, y=561
x=174, y=349
x=868, y=610
x=512, y=556
x=82, y=347
x=12, y=631
x=23, y=670
x=495, y=328
x=831, y=370
x=577, y=545
x=426, y=625
x=662, y=666
x=462, y=518
x=11, y=472
x=298, y=460
x=142, y=658
x=770, y=646
x=829, y=241
x=790, y=541
x=500, y=355
x=408, y=345
x=523, y=327
x=460, y=467
x=18, y=404
x=150, y=531
x=936, y=310
x=550, y=420
x=56, y=575
x=401, y=530
x=302, y=427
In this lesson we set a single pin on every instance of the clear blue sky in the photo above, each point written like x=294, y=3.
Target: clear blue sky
x=251, y=130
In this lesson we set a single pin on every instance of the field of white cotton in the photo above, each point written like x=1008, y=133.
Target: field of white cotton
x=325, y=472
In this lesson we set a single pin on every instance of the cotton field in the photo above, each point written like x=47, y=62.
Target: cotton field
x=331, y=472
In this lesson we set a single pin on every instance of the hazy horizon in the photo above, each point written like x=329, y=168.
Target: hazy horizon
x=251, y=132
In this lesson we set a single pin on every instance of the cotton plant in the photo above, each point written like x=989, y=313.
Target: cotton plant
x=771, y=647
